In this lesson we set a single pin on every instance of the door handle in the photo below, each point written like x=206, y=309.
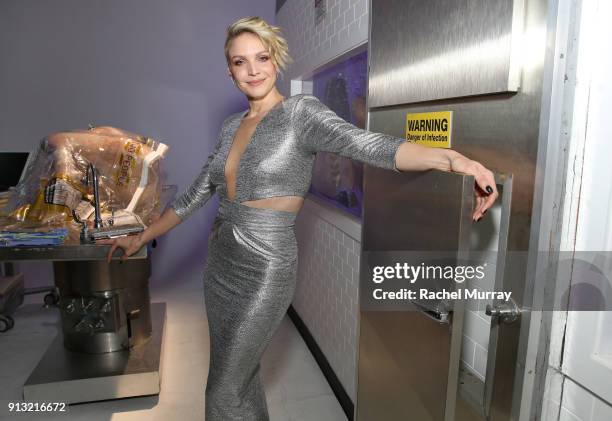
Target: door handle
x=507, y=312
x=438, y=315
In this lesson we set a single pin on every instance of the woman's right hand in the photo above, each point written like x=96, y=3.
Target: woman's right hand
x=129, y=244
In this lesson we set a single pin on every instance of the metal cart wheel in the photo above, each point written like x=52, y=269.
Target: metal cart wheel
x=51, y=299
x=11, y=322
x=5, y=324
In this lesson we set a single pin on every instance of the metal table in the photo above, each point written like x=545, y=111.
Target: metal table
x=72, y=377
x=67, y=251
x=63, y=375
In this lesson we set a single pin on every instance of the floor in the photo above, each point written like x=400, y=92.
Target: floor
x=296, y=389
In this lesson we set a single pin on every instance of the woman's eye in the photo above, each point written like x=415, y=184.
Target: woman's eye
x=264, y=58
x=238, y=63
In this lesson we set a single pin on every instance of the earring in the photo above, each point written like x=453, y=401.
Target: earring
x=233, y=81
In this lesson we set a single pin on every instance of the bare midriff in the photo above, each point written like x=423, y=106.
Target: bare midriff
x=281, y=203
x=240, y=142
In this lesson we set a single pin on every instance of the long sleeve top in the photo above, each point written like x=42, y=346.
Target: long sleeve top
x=279, y=157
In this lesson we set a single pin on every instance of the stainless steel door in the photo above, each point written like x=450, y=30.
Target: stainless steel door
x=409, y=358
x=494, y=125
x=440, y=49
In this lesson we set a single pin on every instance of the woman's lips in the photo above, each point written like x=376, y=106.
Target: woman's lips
x=256, y=83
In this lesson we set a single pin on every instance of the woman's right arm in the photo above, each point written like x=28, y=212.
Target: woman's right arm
x=132, y=243
x=194, y=197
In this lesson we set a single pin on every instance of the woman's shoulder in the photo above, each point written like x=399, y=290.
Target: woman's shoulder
x=290, y=105
x=302, y=102
x=302, y=97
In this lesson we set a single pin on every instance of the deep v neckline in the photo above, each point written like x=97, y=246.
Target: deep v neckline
x=246, y=149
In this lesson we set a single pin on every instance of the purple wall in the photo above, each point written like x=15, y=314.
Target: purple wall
x=150, y=66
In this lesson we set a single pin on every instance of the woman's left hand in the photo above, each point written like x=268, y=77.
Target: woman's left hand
x=485, y=189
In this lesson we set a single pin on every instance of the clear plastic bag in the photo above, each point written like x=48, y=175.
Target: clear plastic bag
x=129, y=172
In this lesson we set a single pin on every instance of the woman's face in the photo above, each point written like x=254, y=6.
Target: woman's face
x=251, y=66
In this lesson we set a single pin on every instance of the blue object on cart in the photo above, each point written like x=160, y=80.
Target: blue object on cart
x=53, y=237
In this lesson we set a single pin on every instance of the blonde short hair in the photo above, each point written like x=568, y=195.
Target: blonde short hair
x=269, y=35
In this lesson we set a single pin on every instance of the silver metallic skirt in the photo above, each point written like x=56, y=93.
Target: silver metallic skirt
x=249, y=283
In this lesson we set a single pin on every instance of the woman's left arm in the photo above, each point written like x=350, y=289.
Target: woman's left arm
x=320, y=129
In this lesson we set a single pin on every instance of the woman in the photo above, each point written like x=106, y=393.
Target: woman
x=261, y=168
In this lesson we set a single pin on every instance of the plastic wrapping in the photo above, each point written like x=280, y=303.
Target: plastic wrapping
x=55, y=184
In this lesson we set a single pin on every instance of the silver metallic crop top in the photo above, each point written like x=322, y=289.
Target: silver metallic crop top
x=279, y=157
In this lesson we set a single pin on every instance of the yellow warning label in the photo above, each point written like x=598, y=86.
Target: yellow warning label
x=430, y=129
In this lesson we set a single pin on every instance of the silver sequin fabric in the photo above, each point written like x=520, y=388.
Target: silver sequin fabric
x=250, y=273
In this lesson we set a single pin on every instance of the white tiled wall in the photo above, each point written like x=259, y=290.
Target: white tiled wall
x=344, y=27
x=327, y=290
x=477, y=325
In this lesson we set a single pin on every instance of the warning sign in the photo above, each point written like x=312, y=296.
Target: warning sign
x=430, y=129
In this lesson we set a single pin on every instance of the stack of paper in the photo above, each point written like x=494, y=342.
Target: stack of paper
x=53, y=237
